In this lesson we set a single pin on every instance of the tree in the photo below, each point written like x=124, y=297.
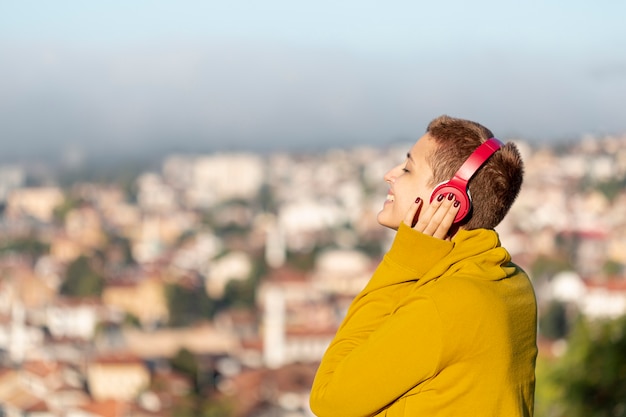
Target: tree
x=188, y=304
x=592, y=373
x=545, y=267
x=612, y=268
x=82, y=280
x=185, y=362
x=196, y=404
x=239, y=294
x=612, y=188
x=554, y=323
x=26, y=245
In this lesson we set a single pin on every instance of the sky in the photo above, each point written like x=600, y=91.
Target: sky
x=129, y=77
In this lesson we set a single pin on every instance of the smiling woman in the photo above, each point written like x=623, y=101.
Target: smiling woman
x=447, y=324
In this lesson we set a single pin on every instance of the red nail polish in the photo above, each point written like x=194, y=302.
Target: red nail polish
x=450, y=196
x=418, y=200
x=457, y=203
x=440, y=197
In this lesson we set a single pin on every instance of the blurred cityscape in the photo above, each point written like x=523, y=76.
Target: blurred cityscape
x=211, y=284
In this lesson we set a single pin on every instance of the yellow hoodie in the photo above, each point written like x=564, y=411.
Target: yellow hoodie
x=443, y=328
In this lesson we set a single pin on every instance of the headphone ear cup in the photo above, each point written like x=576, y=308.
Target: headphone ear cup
x=460, y=195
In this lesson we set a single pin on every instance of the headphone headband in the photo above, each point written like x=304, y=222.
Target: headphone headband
x=475, y=161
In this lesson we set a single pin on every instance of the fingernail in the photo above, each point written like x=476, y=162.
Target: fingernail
x=450, y=196
x=457, y=203
x=440, y=197
x=418, y=200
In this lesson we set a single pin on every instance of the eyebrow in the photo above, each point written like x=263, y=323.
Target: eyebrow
x=408, y=156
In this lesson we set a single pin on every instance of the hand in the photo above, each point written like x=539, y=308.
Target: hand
x=437, y=220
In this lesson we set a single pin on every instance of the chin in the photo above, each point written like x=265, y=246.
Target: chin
x=383, y=221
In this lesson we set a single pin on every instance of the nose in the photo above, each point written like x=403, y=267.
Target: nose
x=392, y=174
x=389, y=177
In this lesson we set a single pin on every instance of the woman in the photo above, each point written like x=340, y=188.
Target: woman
x=447, y=324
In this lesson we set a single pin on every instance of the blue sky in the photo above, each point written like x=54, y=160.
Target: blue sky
x=134, y=75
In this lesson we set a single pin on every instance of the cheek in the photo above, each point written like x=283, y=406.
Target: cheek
x=402, y=205
x=422, y=192
x=425, y=192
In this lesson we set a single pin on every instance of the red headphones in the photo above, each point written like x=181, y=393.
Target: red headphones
x=458, y=184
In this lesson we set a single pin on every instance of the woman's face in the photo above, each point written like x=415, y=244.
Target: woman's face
x=407, y=181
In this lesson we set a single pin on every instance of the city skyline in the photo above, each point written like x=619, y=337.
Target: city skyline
x=118, y=78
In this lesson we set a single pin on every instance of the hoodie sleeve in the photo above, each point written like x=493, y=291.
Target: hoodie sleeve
x=377, y=356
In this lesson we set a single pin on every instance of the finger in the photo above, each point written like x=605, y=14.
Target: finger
x=434, y=225
x=426, y=217
x=412, y=214
x=451, y=209
x=439, y=218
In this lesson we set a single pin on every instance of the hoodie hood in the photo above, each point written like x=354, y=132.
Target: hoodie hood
x=423, y=258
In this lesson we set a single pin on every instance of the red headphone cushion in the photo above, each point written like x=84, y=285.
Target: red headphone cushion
x=460, y=195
